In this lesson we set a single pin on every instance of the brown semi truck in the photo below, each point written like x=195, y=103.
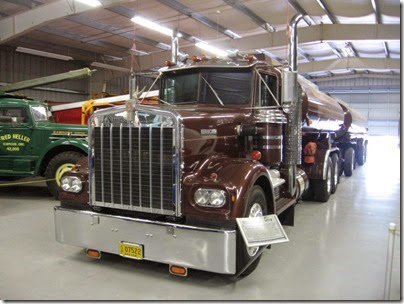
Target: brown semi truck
x=230, y=139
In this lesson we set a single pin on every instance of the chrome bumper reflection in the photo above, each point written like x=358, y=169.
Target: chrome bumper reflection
x=188, y=246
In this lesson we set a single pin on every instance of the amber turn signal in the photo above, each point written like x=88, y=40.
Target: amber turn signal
x=256, y=155
x=178, y=270
x=93, y=253
x=168, y=63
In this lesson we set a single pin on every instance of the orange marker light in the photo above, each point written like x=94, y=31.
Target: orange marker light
x=204, y=58
x=168, y=63
x=250, y=57
x=93, y=253
x=178, y=270
x=256, y=155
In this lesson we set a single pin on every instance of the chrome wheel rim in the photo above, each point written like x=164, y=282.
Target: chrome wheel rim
x=61, y=170
x=336, y=173
x=329, y=181
x=255, y=211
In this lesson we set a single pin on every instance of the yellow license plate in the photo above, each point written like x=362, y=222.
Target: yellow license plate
x=133, y=251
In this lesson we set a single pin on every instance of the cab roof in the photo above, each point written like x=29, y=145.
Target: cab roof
x=12, y=99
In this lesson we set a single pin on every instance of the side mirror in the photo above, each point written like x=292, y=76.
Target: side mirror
x=14, y=122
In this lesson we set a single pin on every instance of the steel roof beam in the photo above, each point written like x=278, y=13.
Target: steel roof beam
x=80, y=38
x=300, y=10
x=386, y=49
x=26, y=3
x=334, y=20
x=129, y=13
x=350, y=63
x=22, y=23
x=375, y=6
x=236, y=4
x=117, y=31
x=327, y=11
x=179, y=7
x=310, y=34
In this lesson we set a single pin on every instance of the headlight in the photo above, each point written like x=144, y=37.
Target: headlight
x=71, y=184
x=210, y=197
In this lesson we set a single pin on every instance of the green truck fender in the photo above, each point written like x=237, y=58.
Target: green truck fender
x=59, y=146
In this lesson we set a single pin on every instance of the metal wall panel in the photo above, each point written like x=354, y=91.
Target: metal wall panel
x=376, y=98
x=16, y=67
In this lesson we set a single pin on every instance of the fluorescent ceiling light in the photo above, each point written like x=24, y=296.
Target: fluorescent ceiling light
x=110, y=67
x=93, y=3
x=154, y=26
x=43, y=54
x=211, y=49
x=235, y=36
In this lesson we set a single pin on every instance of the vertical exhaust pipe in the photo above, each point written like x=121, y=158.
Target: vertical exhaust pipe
x=291, y=103
x=174, y=47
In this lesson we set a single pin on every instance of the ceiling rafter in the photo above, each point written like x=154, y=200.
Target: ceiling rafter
x=198, y=17
x=111, y=29
x=129, y=13
x=378, y=19
x=236, y=4
x=334, y=20
x=22, y=23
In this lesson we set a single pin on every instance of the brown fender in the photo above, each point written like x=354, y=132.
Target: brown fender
x=235, y=176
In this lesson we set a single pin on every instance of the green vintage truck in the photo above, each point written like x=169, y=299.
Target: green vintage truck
x=30, y=145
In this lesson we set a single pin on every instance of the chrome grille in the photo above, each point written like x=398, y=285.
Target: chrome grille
x=134, y=165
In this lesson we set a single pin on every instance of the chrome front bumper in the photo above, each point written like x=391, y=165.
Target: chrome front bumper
x=193, y=247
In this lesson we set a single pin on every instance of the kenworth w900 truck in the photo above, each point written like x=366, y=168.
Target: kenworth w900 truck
x=231, y=139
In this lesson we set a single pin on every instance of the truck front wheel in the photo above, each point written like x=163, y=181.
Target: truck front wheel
x=256, y=206
x=58, y=165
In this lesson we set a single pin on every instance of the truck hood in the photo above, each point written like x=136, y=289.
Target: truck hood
x=64, y=130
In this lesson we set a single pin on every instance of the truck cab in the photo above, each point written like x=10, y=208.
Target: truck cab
x=30, y=145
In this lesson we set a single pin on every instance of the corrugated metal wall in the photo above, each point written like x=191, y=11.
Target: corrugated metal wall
x=376, y=98
x=16, y=67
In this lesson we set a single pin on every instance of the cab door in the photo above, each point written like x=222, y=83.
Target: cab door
x=16, y=129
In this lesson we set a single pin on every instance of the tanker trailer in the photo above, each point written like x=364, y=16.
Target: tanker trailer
x=334, y=140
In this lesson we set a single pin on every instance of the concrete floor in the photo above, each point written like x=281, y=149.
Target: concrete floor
x=337, y=251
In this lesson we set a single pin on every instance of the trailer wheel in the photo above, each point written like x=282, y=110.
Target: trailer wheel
x=58, y=165
x=322, y=188
x=256, y=206
x=361, y=154
x=335, y=172
x=349, y=161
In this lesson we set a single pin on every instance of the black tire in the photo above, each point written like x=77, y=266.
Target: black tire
x=349, y=161
x=56, y=165
x=335, y=172
x=322, y=188
x=361, y=155
x=257, y=196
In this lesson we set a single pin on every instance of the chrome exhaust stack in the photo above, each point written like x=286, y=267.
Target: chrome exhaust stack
x=291, y=103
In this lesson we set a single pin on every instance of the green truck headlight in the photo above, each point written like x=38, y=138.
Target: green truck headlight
x=71, y=184
x=210, y=197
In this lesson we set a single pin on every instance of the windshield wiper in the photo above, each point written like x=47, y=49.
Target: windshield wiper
x=165, y=102
x=267, y=87
x=147, y=93
x=213, y=90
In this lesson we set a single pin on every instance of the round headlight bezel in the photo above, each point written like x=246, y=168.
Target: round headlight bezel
x=212, y=198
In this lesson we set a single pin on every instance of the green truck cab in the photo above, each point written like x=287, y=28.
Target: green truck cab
x=30, y=145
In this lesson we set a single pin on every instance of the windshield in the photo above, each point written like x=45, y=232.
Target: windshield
x=39, y=113
x=208, y=86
